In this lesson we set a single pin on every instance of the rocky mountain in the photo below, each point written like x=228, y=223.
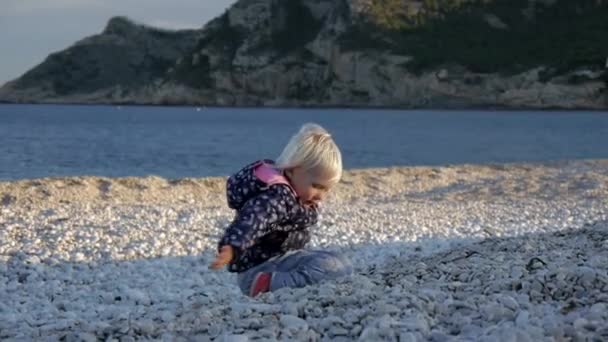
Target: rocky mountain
x=385, y=53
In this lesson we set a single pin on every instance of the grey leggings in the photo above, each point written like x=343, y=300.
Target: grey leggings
x=298, y=269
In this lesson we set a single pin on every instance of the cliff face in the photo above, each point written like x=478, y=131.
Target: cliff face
x=395, y=53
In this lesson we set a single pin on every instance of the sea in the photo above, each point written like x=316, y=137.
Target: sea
x=175, y=142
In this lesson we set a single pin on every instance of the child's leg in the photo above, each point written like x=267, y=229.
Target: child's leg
x=245, y=279
x=298, y=269
x=302, y=268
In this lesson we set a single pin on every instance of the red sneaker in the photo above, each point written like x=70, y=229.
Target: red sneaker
x=261, y=284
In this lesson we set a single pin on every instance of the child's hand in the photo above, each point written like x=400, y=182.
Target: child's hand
x=223, y=258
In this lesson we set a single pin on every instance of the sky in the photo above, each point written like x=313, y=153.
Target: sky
x=32, y=29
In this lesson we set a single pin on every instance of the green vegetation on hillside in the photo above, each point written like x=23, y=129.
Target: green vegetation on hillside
x=393, y=15
x=563, y=36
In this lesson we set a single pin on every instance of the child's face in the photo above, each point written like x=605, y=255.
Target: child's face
x=310, y=185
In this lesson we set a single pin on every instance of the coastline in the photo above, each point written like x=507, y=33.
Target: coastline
x=494, y=108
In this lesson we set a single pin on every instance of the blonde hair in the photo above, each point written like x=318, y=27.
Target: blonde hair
x=311, y=148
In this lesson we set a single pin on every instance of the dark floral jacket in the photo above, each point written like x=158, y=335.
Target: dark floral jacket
x=269, y=220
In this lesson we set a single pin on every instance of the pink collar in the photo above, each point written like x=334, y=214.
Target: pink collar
x=270, y=175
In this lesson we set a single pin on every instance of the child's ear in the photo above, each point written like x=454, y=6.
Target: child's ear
x=293, y=170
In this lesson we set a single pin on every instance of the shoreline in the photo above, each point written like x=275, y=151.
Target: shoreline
x=321, y=107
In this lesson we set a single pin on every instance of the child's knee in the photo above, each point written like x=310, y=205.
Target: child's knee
x=334, y=263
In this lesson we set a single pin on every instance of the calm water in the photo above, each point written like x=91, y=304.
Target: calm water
x=43, y=140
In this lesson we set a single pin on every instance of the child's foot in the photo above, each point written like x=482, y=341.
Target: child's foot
x=261, y=284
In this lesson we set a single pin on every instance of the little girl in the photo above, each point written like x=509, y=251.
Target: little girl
x=276, y=203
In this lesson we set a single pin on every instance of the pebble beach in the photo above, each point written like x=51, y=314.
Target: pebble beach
x=500, y=252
